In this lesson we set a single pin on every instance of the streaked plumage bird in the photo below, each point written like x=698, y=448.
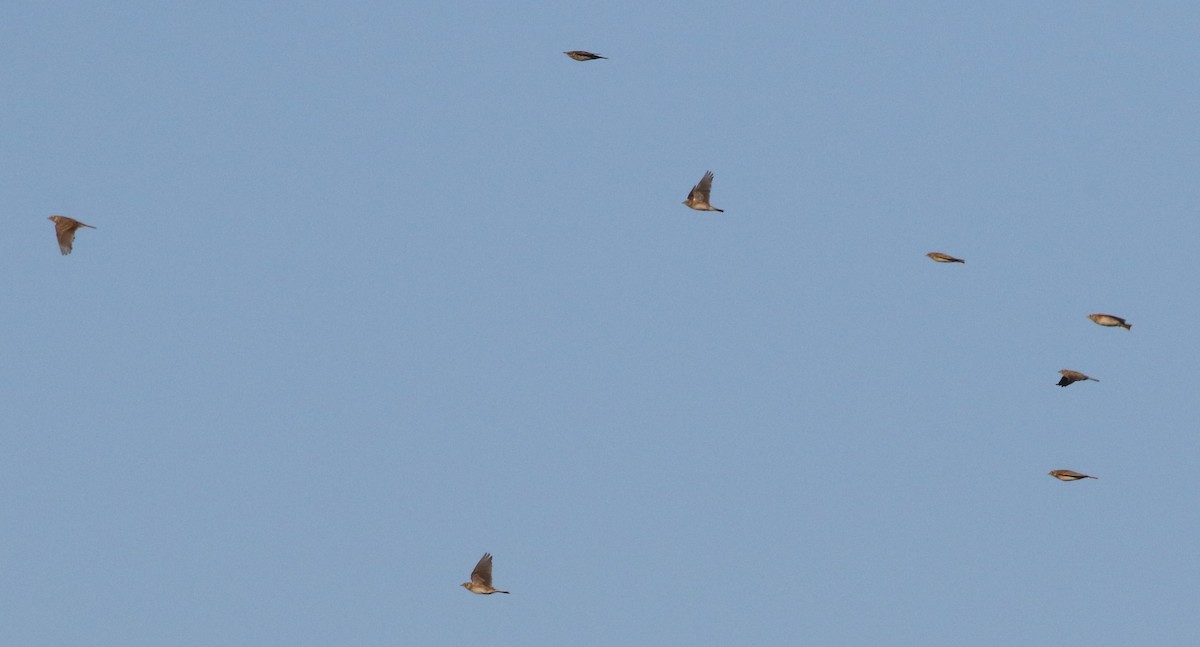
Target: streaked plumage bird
x=944, y=258
x=1070, y=377
x=581, y=55
x=481, y=577
x=65, y=228
x=1068, y=475
x=699, y=197
x=1110, y=321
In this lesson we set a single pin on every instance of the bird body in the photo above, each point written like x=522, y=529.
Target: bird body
x=481, y=577
x=1110, y=321
x=700, y=195
x=64, y=228
x=1070, y=377
x=581, y=55
x=1069, y=475
x=944, y=258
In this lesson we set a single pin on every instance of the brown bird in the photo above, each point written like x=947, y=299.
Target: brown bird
x=944, y=258
x=1110, y=321
x=481, y=577
x=580, y=55
x=65, y=228
x=1070, y=377
x=699, y=197
x=1068, y=475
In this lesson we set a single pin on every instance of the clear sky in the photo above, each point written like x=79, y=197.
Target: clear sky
x=377, y=287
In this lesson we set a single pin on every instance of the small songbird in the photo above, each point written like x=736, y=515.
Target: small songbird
x=699, y=197
x=944, y=258
x=1068, y=475
x=1070, y=377
x=581, y=55
x=481, y=577
x=1110, y=321
x=65, y=228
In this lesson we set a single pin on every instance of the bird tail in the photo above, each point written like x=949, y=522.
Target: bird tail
x=88, y=226
x=499, y=591
x=1092, y=477
x=716, y=209
x=1093, y=379
x=959, y=260
x=1127, y=326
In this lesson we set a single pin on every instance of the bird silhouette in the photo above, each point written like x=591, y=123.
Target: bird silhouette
x=1071, y=377
x=1110, y=321
x=699, y=197
x=581, y=55
x=1068, y=475
x=481, y=577
x=944, y=258
x=65, y=228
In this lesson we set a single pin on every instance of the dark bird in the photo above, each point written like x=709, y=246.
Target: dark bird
x=65, y=228
x=580, y=55
x=1110, y=321
x=944, y=258
x=1071, y=377
x=481, y=577
x=699, y=197
x=1067, y=475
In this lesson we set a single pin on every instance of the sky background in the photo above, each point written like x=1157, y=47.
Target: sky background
x=377, y=287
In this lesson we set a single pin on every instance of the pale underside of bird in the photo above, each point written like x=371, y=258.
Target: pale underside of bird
x=1069, y=475
x=1070, y=377
x=944, y=258
x=699, y=197
x=481, y=577
x=581, y=55
x=65, y=228
x=1110, y=321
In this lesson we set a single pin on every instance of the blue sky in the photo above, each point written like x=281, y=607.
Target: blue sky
x=378, y=287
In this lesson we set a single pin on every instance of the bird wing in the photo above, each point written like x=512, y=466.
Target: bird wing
x=705, y=186
x=483, y=571
x=701, y=191
x=1065, y=381
x=65, y=229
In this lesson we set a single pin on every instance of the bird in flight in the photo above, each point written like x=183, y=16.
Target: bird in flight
x=1070, y=377
x=481, y=577
x=699, y=197
x=65, y=228
x=944, y=258
x=1110, y=321
x=581, y=55
x=1068, y=475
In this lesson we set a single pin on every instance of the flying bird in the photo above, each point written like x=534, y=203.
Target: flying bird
x=699, y=197
x=581, y=55
x=1068, y=475
x=944, y=258
x=1071, y=377
x=481, y=577
x=65, y=228
x=1110, y=321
